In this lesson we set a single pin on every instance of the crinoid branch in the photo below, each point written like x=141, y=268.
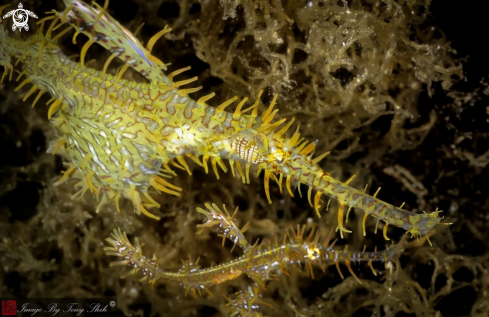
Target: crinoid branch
x=258, y=262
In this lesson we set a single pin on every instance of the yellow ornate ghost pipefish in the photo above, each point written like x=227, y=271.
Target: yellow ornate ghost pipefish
x=120, y=137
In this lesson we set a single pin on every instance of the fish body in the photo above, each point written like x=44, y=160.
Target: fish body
x=120, y=137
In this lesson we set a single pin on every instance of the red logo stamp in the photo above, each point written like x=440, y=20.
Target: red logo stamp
x=9, y=308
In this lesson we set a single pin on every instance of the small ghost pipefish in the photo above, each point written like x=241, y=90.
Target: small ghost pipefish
x=120, y=137
x=258, y=262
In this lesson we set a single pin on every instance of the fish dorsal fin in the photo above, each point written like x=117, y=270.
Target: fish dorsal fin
x=101, y=28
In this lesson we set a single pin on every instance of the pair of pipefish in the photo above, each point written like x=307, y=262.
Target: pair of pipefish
x=120, y=137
